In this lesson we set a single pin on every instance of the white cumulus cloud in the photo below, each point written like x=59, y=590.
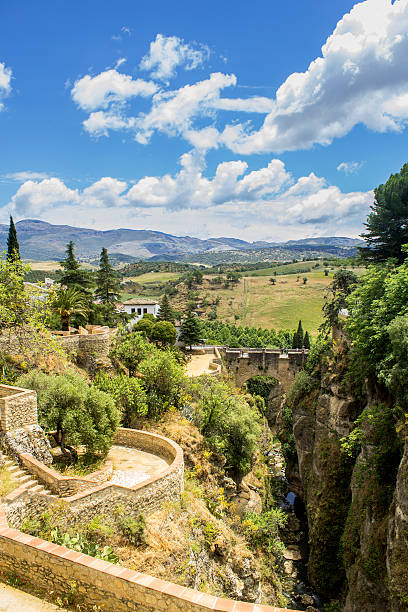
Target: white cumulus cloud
x=361, y=77
x=267, y=203
x=5, y=82
x=109, y=87
x=167, y=53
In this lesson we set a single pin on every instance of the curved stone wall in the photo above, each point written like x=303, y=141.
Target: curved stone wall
x=85, y=497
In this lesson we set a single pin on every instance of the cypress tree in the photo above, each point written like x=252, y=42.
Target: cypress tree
x=107, y=280
x=300, y=335
x=166, y=312
x=306, y=341
x=13, y=248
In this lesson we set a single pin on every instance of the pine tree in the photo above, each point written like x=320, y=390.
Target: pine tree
x=166, y=312
x=387, y=223
x=107, y=280
x=73, y=276
x=190, y=331
x=306, y=341
x=13, y=248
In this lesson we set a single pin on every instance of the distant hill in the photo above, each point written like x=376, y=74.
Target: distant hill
x=42, y=241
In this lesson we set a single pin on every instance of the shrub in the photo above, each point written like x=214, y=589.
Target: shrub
x=134, y=529
x=229, y=424
x=162, y=377
x=128, y=393
x=262, y=530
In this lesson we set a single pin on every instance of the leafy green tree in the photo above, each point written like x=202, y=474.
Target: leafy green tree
x=107, y=280
x=24, y=311
x=69, y=302
x=166, y=313
x=162, y=377
x=336, y=297
x=129, y=350
x=380, y=297
x=106, y=314
x=145, y=325
x=304, y=280
x=228, y=423
x=272, y=280
x=163, y=333
x=128, y=393
x=81, y=415
x=387, y=224
x=190, y=331
x=13, y=248
x=72, y=275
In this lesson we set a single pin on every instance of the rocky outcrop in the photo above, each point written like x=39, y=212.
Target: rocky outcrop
x=356, y=496
x=30, y=439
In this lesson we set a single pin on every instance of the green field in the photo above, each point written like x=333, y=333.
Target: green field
x=154, y=277
x=259, y=303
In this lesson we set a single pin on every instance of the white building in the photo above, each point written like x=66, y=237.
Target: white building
x=137, y=307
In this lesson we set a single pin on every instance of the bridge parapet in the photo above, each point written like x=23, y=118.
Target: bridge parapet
x=244, y=363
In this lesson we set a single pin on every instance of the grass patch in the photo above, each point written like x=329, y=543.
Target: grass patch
x=154, y=277
x=84, y=466
x=256, y=302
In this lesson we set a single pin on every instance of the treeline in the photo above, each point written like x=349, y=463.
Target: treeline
x=143, y=267
x=235, y=336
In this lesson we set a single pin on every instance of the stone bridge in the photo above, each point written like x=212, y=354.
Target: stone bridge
x=244, y=363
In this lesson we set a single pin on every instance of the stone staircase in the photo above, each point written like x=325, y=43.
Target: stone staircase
x=24, y=480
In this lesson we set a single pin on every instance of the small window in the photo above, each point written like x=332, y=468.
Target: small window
x=144, y=310
x=139, y=311
x=132, y=310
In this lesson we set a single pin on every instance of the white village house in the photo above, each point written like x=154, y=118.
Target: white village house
x=137, y=307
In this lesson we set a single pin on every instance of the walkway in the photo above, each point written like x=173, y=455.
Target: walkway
x=12, y=599
x=199, y=364
x=132, y=466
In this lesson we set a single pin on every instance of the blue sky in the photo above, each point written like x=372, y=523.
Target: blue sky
x=259, y=120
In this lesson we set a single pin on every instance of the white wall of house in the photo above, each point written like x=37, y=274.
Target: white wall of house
x=137, y=311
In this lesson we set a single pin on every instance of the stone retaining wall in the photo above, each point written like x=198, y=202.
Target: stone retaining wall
x=64, y=485
x=145, y=497
x=18, y=407
x=50, y=567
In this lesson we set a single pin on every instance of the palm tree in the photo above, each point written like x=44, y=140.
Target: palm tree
x=68, y=302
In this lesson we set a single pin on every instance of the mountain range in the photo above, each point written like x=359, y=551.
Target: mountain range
x=41, y=241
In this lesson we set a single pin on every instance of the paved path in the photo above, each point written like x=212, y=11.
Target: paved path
x=13, y=600
x=199, y=364
x=132, y=466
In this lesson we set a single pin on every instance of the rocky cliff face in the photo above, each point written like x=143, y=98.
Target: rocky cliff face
x=355, y=488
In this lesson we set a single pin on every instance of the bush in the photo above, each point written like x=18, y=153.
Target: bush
x=130, y=349
x=162, y=377
x=128, y=393
x=262, y=530
x=229, y=424
x=134, y=529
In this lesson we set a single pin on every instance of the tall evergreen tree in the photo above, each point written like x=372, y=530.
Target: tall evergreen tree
x=190, y=331
x=13, y=248
x=166, y=313
x=387, y=224
x=298, y=337
x=72, y=275
x=107, y=280
x=306, y=341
